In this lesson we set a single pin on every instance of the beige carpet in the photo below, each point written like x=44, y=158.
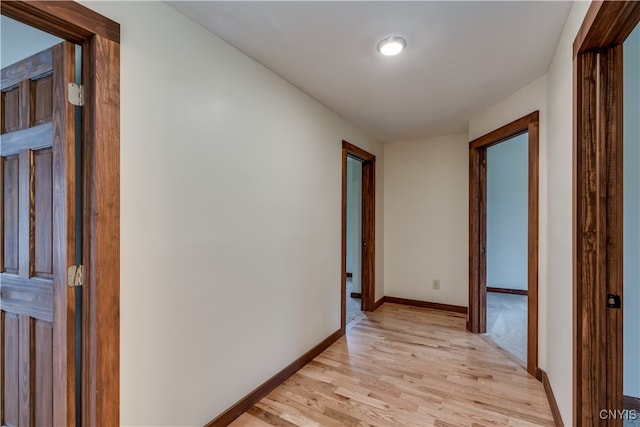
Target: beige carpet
x=507, y=322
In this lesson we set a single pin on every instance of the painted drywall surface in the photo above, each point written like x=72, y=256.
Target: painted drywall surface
x=426, y=219
x=524, y=101
x=559, y=172
x=230, y=219
x=354, y=222
x=20, y=41
x=507, y=213
x=631, y=199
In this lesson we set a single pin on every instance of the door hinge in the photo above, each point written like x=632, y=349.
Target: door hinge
x=75, y=276
x=76, y=94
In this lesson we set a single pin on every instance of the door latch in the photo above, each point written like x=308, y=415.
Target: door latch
x=613, y=301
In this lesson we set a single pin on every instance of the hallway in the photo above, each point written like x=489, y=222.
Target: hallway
x=406, y=366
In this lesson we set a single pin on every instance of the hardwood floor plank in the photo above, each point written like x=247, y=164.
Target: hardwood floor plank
x=268, y=417
x=250, y=421
x=406, y=366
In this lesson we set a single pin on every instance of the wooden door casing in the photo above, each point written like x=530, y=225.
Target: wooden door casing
x=477, y=318
x=36, y=319
x=368, y=227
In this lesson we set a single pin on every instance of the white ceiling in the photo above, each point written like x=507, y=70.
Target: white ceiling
x=461, y=57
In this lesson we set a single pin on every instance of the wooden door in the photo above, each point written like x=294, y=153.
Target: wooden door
x=37, y=328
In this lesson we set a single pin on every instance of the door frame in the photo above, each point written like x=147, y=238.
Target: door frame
x=368, y=228
x=100, y=40
x=597, y=209
x=477, y=317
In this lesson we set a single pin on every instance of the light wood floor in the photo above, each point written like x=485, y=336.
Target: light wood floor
x=406, y=366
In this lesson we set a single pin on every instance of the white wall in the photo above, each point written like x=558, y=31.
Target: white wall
x=507, y=213
x=559, y=358
x=631, y=200
x=230, y=219
x=552, y=95
x=426, y=219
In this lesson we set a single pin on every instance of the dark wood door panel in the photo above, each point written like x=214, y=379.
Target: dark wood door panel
x=42, y=93
x=10, y=370
x=11, y=110
x=10, y=214
x=33, y=138
x=42, y=218
x=33, y=297
x=25, y=213
x=27, y=226
x=43, y=393
x=27, y=69
x=25, y=368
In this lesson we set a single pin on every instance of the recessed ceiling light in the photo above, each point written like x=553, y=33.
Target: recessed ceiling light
x=391, y=45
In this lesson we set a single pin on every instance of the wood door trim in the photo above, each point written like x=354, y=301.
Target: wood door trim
x=99, y=37
x=378, y=303
x=68, y=20
x=368, y=228
x=597, y=207
x=477, y=228
x=606, y=24
x=343, y=244
x=358, y=152
x=368, y=235
x=508, y=131
x=102, y=249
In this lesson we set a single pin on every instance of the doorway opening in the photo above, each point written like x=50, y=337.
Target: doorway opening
x=354, y=239
x=526, y=128
x=357, y=238
x=506, y=250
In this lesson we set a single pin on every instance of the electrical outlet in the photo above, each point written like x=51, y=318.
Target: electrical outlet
x=436, y=284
